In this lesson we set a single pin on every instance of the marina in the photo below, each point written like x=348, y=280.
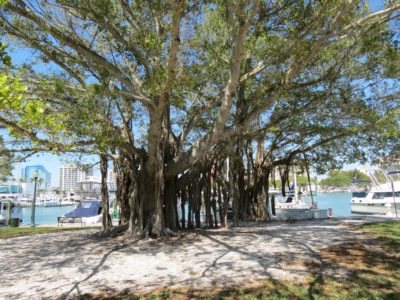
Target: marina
x=338, y=202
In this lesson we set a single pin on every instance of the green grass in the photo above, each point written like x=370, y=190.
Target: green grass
x=372, y=273
x=9, y=232
x=388, y=232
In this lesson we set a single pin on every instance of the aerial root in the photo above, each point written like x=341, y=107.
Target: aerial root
x=171, y=232
x=112, y=231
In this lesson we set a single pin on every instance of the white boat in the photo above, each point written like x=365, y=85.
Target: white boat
x=294, y=207
x=25, y=201
x=85, y=212
x=374, y=197
x=379, y=198
x=16, y=210
x=10, y=191
x=47, y=202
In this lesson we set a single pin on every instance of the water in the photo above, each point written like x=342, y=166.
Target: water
x=45, y=215
x=339, y=202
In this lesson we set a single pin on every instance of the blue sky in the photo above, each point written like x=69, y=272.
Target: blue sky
x=52, y=162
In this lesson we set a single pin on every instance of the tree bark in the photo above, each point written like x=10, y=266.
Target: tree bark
x=106, y=218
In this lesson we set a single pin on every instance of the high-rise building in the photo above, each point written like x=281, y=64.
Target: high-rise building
x=112, y=181
x=44, y=179
x=71, y=174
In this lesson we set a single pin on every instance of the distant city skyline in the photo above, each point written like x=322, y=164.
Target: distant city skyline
x=52, y=163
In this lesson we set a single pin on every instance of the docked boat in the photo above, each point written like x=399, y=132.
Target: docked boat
x=25, y=201
x=47, y=202
x=85, y=212
x=373, y=197
x=297, y=208
x=293, y=206
x=16, y=211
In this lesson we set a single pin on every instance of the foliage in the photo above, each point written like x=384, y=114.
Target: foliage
x=302, y=181
x=343, y=178
x=6, y=158
x=299, y=38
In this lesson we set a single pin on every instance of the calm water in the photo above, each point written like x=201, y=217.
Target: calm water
x=339, y=202
x=45, y=215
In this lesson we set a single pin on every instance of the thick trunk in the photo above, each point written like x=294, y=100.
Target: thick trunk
x=124, y=187
x=261, y=208
x=170, y=204
x=106, y=218
x=160, y=201
x=136, y=208
x=153, y=193
x=128, y=176
x=154, y=181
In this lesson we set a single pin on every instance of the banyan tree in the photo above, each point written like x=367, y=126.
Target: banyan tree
x=197, y=102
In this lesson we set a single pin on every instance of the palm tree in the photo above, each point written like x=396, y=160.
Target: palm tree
x=39, y=181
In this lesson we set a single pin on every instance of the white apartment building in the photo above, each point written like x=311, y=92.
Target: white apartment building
x=112, y=181
x=71, y=174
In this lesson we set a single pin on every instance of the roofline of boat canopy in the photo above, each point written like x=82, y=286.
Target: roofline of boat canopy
x=393, y=172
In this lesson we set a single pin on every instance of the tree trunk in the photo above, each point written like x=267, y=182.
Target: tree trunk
x=170, y=205
x=106, y=218
x=190, y=208
x=154, y=206
x=266, y=187
x=207, y=199
x=234, y=192
x=221, y=211
x=124, y=187
x=197, y=199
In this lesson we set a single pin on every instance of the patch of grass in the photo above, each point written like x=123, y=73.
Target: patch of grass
x=10, y=232
x=389, y=232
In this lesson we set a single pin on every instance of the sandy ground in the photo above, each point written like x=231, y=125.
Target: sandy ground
x=61, y=265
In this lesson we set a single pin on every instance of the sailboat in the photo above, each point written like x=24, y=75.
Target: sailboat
x=294, y=207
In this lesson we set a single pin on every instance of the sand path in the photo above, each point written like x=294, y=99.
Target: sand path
x=61, y=265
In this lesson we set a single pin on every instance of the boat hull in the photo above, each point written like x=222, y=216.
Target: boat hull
x=374, y=208
x=300, y=213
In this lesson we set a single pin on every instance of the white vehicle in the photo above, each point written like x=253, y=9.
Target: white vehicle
x=380, y=198
x=16, y=211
